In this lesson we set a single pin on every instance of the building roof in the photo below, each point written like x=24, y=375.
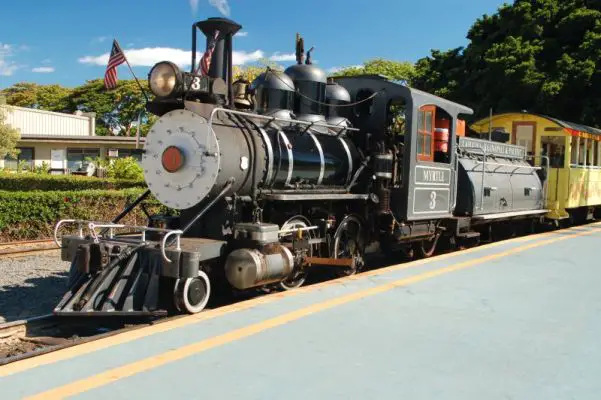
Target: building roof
x=572, y=125
x=564, y=124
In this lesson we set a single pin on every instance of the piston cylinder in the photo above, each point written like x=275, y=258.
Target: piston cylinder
x=247, y=268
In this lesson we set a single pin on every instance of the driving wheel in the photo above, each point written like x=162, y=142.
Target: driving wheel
x=349, y=242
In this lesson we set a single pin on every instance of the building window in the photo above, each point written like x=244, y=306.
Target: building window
x=24, y=158
x=124, y=153
x=78, y=158
x=425, y=132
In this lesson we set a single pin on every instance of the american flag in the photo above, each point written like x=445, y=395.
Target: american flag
x=117, y=57
x=205, y=61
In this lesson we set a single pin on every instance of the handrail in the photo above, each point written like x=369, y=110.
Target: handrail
x=63, y=221
x=110, y=227
x=276, y=119
x=515, y=167
x=484, y=155
x=178, y=234
x=292, y=230
x=456, y=181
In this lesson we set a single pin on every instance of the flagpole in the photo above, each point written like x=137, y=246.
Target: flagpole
x=138, y=130
x=132, y=71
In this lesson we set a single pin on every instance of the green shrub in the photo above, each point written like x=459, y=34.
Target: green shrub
x=32, y=215
x=125, y=168
x=42, y=169
x=34, y=181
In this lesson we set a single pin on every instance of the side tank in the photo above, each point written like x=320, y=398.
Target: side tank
x=505, y=183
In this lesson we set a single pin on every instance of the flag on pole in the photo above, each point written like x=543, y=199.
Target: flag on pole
x=116, y=58
x=205, y=61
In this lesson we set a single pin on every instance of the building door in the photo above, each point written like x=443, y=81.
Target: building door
x=523, y=135
x=57, y=159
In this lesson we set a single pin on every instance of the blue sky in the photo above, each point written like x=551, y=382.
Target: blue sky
x=67, y=41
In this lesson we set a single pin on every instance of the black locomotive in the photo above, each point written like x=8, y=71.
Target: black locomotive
x=291, y=172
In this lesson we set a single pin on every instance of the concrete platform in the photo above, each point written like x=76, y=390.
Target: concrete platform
x=519, y=319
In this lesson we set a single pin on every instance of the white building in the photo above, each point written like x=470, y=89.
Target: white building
x=62, y=141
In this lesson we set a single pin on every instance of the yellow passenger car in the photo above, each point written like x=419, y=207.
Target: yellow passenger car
x=573, y=186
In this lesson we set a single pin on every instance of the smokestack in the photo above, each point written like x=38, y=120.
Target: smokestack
x=222, y=54
x=221, y=60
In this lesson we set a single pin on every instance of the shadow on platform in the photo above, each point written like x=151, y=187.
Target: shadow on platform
x=34, y=297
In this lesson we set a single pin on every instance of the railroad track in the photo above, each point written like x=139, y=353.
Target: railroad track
x=32, y=337
x=23, y=248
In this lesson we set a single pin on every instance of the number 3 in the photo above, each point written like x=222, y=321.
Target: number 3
x=195, y=83
x=432, y=204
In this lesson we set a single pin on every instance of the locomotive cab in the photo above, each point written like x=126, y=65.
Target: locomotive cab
x=413, y=135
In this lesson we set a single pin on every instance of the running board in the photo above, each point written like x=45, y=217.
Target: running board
x=487, y=217
x=334, y=262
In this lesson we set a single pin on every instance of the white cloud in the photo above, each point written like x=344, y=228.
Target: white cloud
x=222, y=6
x=194, y=5
x=43, y=70
x=242, y=33
x=100, y=39
x=7, y=67
x=149, y=56
x=241, y=57
x=277, y=56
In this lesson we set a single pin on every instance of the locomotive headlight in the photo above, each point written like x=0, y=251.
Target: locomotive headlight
x=164, y=78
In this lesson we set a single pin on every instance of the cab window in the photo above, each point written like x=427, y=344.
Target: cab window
x=425, y=133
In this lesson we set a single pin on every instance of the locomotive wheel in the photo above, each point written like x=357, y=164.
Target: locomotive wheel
x=426, y=248
x=191, y=295
x=349, y=242
x=299, y=275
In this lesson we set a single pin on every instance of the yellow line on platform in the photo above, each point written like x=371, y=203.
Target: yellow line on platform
x=132, y=335
x=152, y=362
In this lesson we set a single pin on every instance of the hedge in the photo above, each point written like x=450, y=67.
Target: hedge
x=33, y=214
x=31, y=181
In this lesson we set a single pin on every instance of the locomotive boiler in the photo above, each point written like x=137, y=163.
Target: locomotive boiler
x=287, y=173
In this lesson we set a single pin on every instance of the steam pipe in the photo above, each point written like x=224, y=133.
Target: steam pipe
x=357, y=173
x=254, y=166
x=127, y=209
x=227, y=187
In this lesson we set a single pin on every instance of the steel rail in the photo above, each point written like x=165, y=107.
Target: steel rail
x=19, y=330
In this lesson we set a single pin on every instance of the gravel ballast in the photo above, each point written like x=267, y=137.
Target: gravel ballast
x=31, y=285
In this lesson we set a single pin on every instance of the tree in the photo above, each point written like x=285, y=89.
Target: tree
x=250, y=72
x=9, y=136
x=32, y=95
x=539, y=55
x=116, y=110
x=395, y=70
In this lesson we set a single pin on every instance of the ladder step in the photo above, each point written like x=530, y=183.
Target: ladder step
x=469, y=235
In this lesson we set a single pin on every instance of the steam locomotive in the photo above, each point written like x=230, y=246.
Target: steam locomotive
x=289, y=173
